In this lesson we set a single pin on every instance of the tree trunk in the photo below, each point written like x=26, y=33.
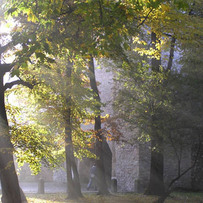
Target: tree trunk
x=9, y=179
x=156, y=62
x=156, y=182
x=76, y=178
x=73, y=180
x=101, y=180
x=73, y=184
x=107, y=157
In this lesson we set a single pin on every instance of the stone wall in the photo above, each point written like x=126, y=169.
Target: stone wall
x=127, y=166
x=131, y=163
x=172, y=165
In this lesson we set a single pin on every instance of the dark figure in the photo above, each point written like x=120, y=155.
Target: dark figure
x=92, y=181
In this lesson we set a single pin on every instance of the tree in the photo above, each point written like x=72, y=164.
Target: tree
x=9, y=180
x=102, y=184
x=74, y=188
x=187, y=102
x=11, y=191
x=63, y=94
x=148, y=90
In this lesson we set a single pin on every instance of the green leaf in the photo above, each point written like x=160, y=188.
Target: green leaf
x=15, y=72
x=40, y=55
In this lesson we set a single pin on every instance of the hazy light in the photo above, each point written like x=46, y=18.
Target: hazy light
x=6, y=26
x=4, y=29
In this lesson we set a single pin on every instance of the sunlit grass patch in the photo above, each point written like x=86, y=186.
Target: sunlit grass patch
x=46, y=198
x=90, y=198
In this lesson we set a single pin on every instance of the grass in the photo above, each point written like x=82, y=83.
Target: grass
x=117, y=198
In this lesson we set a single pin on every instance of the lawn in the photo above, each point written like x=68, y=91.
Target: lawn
x=116, y=198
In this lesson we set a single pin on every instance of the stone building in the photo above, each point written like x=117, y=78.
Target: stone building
x=131, y=161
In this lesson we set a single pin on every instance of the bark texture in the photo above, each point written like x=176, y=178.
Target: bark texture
x=9, y=179
x=156, y=181
x=73, y=180
x=102, y=184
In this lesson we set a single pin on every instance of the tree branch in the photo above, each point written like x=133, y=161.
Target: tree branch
x=167, y=34
x=18, y=82
x=171, y=55
x=101, y=12
x=145, y=18
x=170, y=189
x=192, y=166
x=4, y=68
x=5, y=47
x=93, y=80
